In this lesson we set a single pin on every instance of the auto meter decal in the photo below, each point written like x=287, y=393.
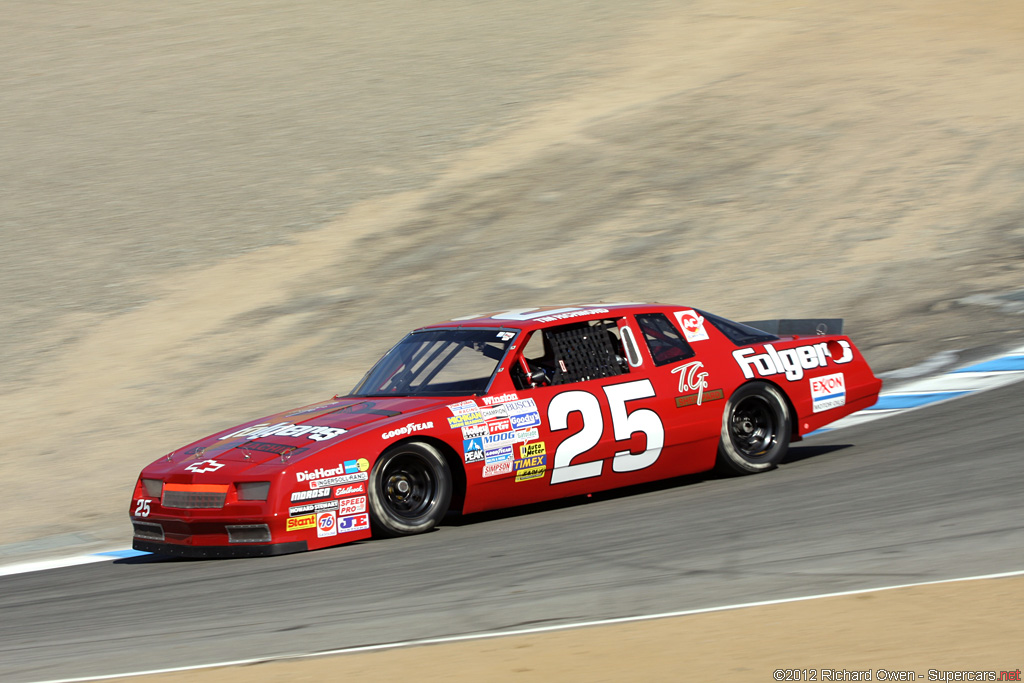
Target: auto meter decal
x=314, y=432
x=532, y=461
x=693, y=325
x=828, y=392
x=792, y=361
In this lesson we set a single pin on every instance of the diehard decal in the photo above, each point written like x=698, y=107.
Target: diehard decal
x=693, y=325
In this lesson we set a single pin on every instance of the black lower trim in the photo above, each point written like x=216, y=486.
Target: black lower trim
x=213, y=551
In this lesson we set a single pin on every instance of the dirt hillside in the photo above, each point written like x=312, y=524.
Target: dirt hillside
x=216, y=210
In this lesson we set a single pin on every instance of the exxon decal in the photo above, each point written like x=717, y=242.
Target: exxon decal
x=792, y=361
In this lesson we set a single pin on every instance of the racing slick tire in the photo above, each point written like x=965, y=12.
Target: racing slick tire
x=410, y=488
x=756, y=426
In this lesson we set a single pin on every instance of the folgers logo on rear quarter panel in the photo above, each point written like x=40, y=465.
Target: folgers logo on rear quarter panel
x=792, y=362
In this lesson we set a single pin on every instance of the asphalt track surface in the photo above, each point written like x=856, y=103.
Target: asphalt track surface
x=927, y=495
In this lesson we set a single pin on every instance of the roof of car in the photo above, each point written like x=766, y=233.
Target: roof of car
x=542, y=316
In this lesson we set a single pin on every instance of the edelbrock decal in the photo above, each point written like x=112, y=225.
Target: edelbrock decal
x=792, y=361
x=314, y=432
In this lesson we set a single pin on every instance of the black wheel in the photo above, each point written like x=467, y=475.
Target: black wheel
x=755, y=430
x=410, y=488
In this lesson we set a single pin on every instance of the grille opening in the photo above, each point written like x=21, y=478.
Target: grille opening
x=148, y=530
x=190, y=496
x=248, y=533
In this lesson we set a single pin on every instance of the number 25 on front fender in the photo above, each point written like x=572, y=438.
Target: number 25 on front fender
x=624, y=425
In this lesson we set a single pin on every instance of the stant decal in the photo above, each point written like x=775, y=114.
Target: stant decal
x=297, y=523
x=828, y=392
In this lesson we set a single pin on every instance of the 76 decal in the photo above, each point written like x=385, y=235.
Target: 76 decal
x=624, y=425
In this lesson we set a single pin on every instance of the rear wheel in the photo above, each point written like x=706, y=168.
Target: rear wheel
x=410, y=488
x=755, y=430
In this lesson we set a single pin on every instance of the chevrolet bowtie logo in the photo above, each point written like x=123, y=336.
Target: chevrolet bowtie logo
x=205, y=466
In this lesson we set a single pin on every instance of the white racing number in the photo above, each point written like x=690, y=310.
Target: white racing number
x=624, y=425
x=142, y=507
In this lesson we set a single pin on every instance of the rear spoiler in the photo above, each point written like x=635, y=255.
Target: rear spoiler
x=784, y=327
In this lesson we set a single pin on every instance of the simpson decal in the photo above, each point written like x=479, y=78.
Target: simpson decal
x=828, y=392
x=498, y=467
x=693, y=325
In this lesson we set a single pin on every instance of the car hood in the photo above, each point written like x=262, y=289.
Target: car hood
x=289, y=436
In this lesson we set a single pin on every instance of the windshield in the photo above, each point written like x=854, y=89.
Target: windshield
x=438, y=363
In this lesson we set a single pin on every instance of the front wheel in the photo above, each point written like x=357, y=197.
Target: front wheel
x=755, y=430
x=410, y=488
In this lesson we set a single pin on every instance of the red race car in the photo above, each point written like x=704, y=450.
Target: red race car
x=501, y=410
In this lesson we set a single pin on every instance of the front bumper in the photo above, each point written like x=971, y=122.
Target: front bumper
x=215, y=551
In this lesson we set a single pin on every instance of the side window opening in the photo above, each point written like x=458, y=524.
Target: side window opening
x=571, y=353
x=664, y=341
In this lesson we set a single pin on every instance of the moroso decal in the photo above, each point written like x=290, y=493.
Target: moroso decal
x=297, y=523
x=529, y=450
x=792, y=361
x=312, y=494
x=828, y=392
x=314, y=432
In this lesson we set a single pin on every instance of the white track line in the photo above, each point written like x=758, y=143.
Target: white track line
x=524, y=631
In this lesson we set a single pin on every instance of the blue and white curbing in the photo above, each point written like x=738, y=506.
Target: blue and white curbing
x=995, y=372
x=988, y=374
